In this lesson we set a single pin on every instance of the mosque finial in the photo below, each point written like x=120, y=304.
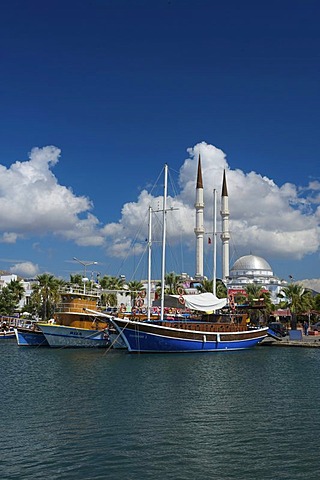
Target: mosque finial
x=224, y=185
x=199, y=176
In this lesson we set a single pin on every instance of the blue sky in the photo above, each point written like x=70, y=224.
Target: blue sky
x=97, y=95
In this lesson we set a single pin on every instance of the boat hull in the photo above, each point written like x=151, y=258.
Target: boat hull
x=7, y=334
x=152, y=338
x=61, y=336
x=28, y=338
x=117, y=342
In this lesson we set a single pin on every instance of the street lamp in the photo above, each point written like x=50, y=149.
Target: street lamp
x=85, y=264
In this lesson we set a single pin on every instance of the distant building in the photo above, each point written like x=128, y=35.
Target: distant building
x=5, y=279
x=251, y=269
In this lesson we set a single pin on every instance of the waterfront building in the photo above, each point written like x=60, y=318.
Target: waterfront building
x=252, y=269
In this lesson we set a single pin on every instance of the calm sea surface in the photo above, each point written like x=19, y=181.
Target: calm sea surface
x=88, y=414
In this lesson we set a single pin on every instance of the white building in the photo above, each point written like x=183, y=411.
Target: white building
x=251, y=269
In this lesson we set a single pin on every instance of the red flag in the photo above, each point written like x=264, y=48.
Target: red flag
x=209, y=240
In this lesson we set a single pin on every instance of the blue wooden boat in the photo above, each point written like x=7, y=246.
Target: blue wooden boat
x=186, y=336
x=30, y=337
x=7, y=333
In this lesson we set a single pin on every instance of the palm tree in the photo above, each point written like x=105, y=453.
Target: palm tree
x=259, y=302
x=111, y=285
x=206, y=285
x=46, y=295
x=297, y=298
x=135, y=289
x=317, y=302
x=8, y=301
x=76, y=279
x=172, y=283
x=16, y=287
x=221, y=289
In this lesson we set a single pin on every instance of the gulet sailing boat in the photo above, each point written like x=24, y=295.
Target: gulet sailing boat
x=228, y=332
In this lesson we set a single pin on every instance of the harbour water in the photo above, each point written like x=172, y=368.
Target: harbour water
x=90, y=415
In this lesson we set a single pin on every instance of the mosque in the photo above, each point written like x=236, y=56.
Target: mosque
x=253, y=269
x=248, y=269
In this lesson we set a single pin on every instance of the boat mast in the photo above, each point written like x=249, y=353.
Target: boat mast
x=214, y=277
x=149, y=263
x=164, y=216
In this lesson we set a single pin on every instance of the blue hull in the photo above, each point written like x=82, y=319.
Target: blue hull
x=7, y=335
x=31, y=339
x=148, y=338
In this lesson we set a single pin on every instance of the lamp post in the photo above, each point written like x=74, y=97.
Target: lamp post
x=85, y=264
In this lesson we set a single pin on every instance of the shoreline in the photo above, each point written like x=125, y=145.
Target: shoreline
x=307, y=341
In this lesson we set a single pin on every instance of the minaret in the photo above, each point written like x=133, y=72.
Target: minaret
x=199, y=229
x=225, y=235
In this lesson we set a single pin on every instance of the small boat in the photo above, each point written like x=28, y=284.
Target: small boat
x=30, y=337
x=72, y=326
x=5, y=334
x=63, y=336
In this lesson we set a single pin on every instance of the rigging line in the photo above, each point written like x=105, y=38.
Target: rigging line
x=235, y=253
x=119, y=335
x=132, y=244
x=156, y=183
x=139, y=262
x=172, y=183
x=172, y=228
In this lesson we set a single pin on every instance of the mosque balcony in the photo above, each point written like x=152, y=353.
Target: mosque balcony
x=199, y=230
x=225, y=236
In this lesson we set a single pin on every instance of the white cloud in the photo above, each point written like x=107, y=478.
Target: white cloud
x=33, y=203
x=25, y=269
x=264, y=218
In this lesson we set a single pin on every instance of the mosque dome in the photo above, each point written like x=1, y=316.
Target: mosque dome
x=251, y=263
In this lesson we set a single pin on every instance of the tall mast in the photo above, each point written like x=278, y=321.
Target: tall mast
x=164, y=227
x=214, y=277
x=149, y=263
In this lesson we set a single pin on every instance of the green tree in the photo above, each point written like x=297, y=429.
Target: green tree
x=45, y=295
x=316, y=301
x=297, y=298
x=135, y=289
x=172, y=282
x=16, y=287
x=259, y=302
x=8, y=301
x=76, y=280
x=221, y=289
x=110, y=286
x=206, y=285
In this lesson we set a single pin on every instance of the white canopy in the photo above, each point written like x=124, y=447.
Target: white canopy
x=204, y=302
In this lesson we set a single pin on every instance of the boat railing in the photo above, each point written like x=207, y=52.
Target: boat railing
x=206, y=327
x=81, y=291
x=75, y=306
